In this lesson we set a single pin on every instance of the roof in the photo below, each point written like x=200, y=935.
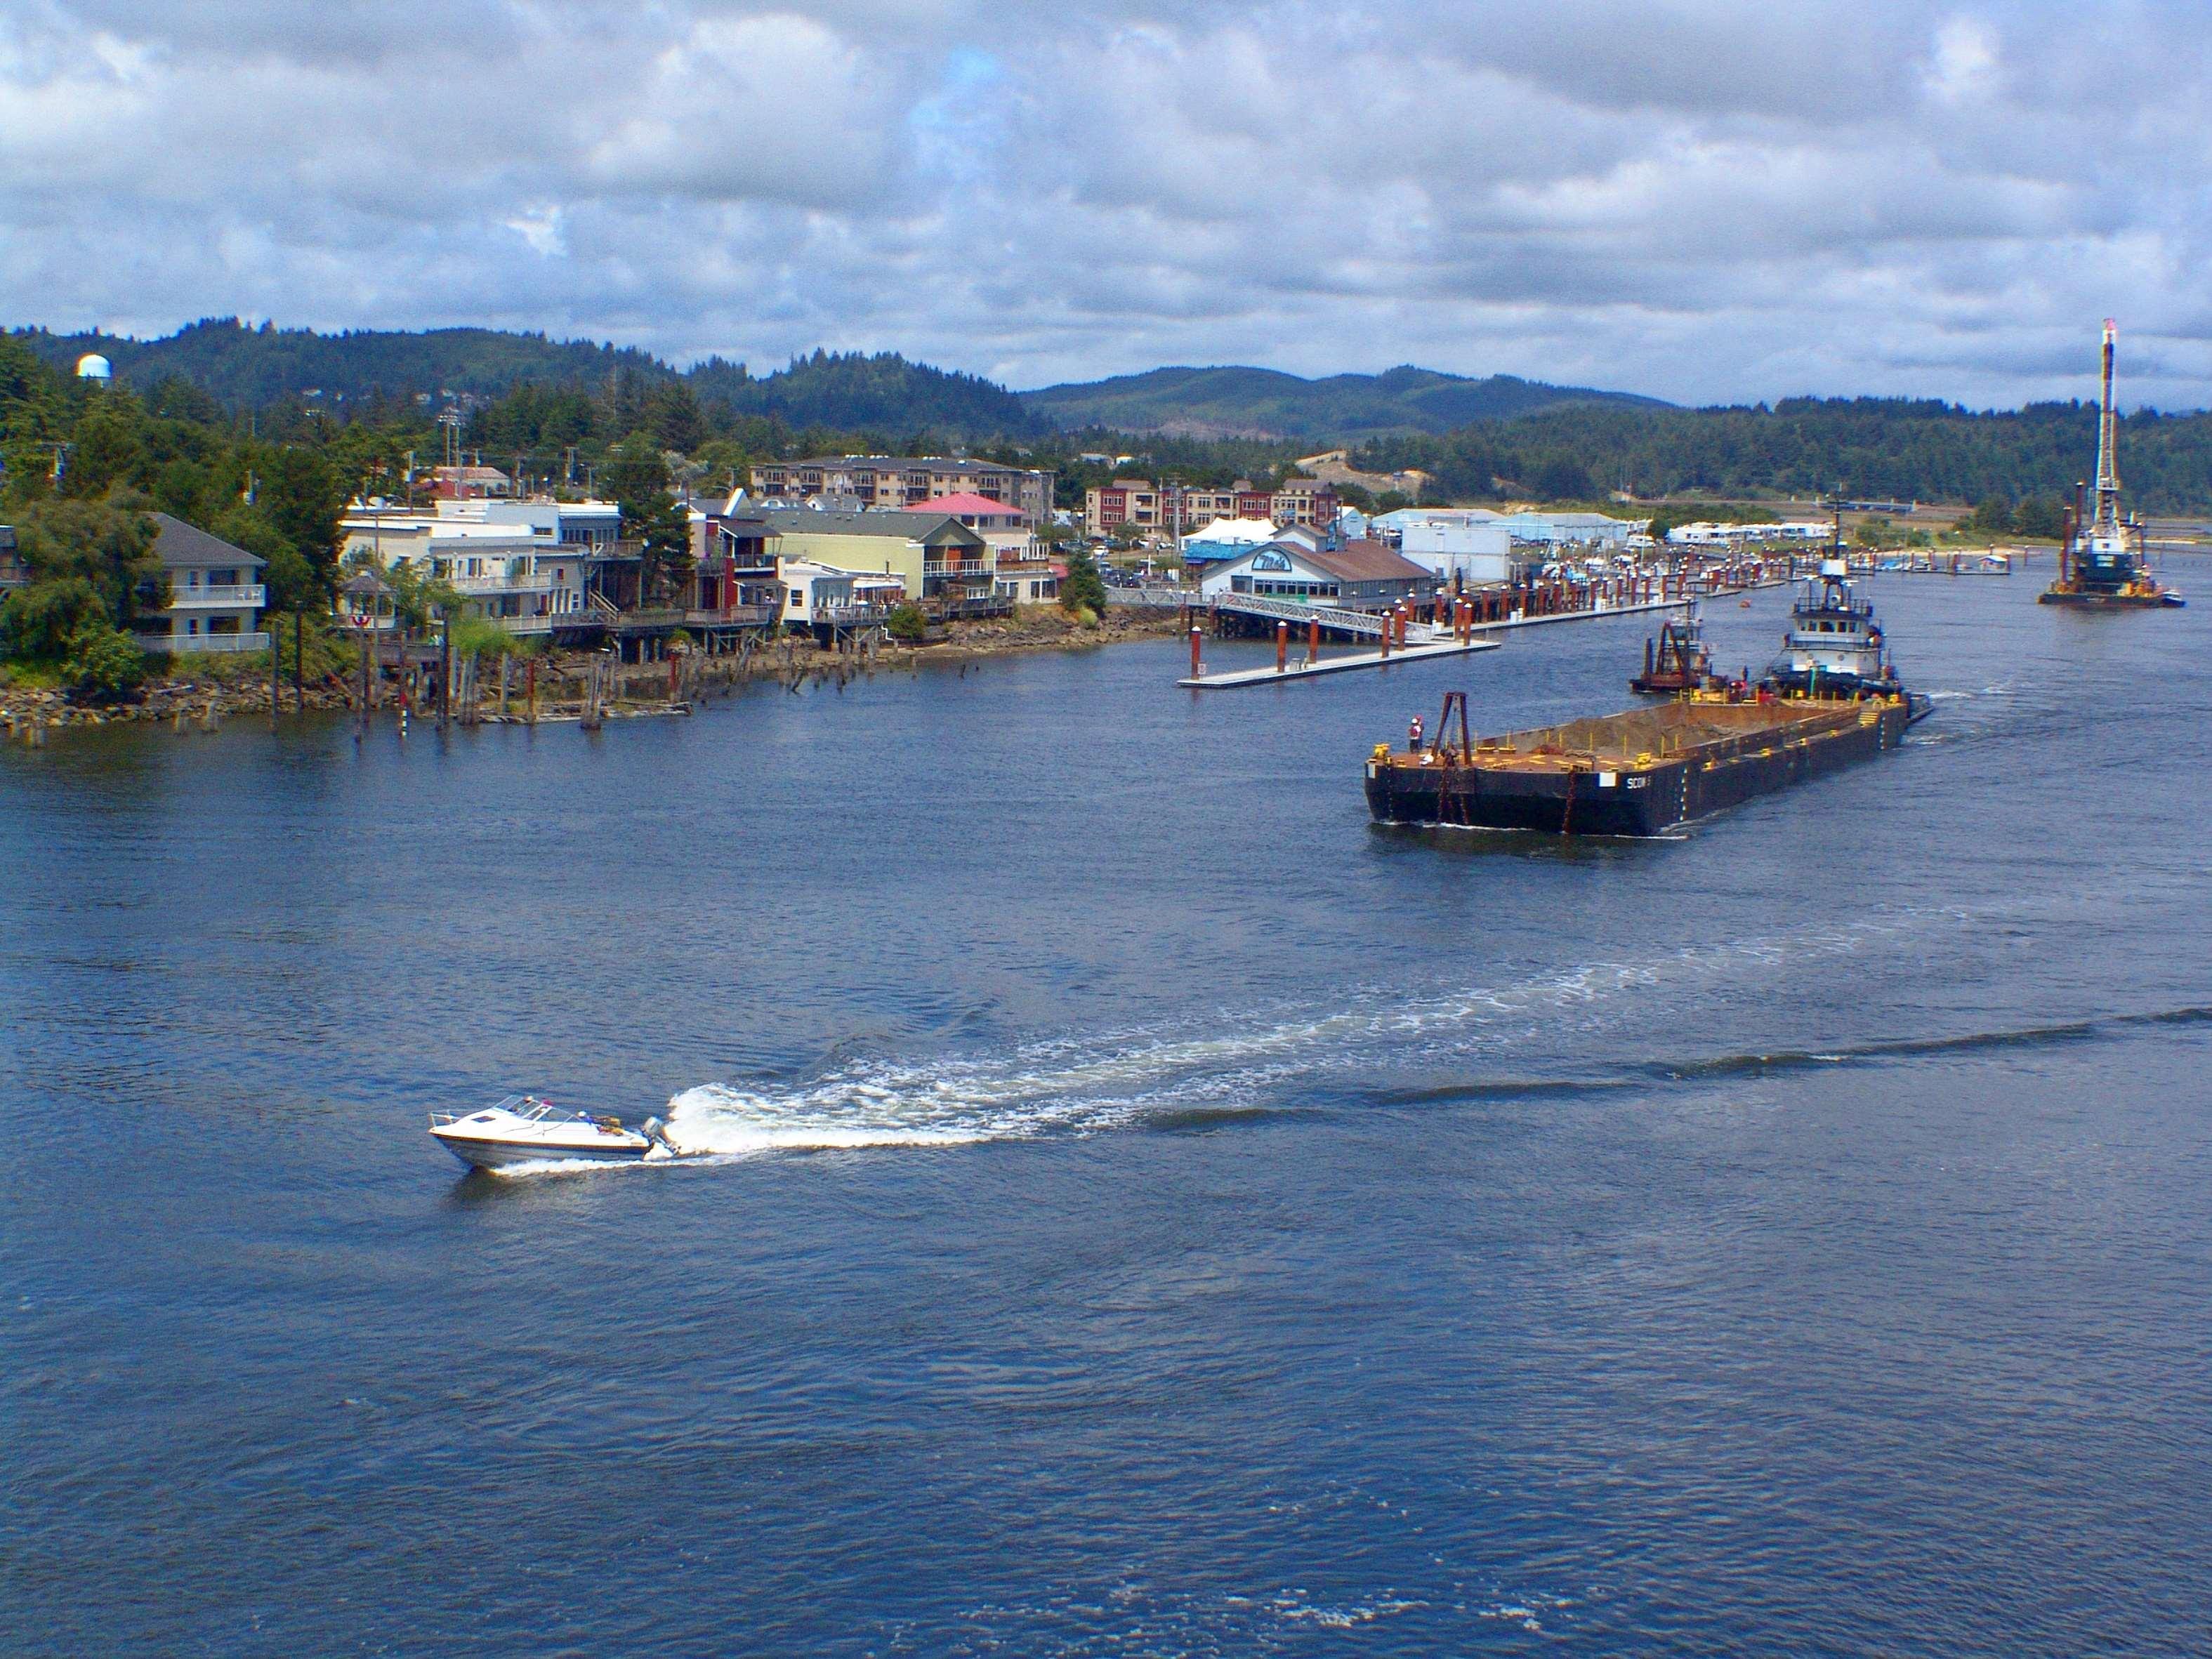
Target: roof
x=1440, y=515
x=1234, y=530
x=1365, y=561
x=971, y=503
x=880, y=463
x=905, y=526
x=180, y=547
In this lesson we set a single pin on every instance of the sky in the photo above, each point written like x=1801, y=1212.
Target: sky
x=1701, y=200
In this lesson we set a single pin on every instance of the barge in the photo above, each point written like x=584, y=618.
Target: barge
x=1831, y=699
x=1639, y=773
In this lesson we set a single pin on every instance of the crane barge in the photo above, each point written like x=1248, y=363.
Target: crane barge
x=2101, y=565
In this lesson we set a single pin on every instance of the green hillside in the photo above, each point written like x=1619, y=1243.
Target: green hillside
x=255, y=368
x=250, y=368
x=1264, y=403
x=1910, y=449
x=883, y=392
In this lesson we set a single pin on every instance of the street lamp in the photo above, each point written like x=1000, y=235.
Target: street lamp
x=363, y=593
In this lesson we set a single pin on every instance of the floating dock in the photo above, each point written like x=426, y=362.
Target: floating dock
x=1441, y=643
x=1300, y=669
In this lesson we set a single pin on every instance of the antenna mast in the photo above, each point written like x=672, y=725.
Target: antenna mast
x=2108, y=466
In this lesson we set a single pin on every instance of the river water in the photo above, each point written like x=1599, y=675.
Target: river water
x=1159, y=1212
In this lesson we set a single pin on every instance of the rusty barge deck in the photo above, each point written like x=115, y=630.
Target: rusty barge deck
x=1638, y=773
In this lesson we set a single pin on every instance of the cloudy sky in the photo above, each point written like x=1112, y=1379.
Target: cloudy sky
x=1700, y=199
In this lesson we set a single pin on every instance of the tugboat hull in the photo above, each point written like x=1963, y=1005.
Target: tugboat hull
x=1635, y=774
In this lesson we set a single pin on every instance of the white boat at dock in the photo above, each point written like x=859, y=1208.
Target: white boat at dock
x=523, y=1129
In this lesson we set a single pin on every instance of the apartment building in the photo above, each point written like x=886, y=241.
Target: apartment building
x=1178, y=509
x=905, y=484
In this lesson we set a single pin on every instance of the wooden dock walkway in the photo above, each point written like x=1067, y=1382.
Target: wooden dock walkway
x=1483, y=639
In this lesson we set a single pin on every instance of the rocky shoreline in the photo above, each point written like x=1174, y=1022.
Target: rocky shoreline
x=200, y=703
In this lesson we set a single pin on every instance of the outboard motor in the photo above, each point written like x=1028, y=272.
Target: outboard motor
x=657, y=1132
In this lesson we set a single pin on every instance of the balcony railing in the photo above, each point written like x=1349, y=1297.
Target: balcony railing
x=956, y=567
x=502, y=584
x=228, y=597
x=214, y=642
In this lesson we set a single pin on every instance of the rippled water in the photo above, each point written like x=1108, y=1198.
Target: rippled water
x=1149, y=1210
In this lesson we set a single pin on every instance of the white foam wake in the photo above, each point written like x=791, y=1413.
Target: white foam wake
x=1080, y=1086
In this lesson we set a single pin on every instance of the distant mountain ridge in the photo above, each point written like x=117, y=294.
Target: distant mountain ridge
x=1266, y=403
x=245, y=366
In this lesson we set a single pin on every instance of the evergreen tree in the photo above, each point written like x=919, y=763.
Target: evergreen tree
x=1084, y=588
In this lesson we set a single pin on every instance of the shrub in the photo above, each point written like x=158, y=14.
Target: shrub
x=906, y=622
x=39, y=621
x=102, y=663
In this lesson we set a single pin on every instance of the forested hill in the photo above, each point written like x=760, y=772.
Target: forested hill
x=1880, y=446
x=883, y=392
x=247, y=368
x=244, y=367
x=1263, y=403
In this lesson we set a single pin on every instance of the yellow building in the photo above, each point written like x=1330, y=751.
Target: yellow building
x=942, y=561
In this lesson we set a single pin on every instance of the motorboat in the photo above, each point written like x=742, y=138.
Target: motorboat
x=524, y=1129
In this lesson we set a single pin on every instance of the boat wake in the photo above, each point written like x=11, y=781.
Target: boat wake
x=1247, y=1064
x=1253, y=1066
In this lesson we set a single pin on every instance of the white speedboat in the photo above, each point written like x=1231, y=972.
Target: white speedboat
x=524, y=1129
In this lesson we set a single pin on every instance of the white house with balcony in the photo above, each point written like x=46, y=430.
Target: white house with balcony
x=216, y=594
x=522, y=564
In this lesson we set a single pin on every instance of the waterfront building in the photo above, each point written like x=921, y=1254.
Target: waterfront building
x=1395, y=522
x=906, y=483
x=939, y=560
x=525, y=565
x=814, y=594
x=735, y=552
x=216, y=594
x=1593, y=529
x=1469, y=552
x=1020, y=570
x=1362, y=575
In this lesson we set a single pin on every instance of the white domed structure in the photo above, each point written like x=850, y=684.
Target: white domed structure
x=93, y=367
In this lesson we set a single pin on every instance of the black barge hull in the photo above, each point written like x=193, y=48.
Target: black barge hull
x=1639, y=796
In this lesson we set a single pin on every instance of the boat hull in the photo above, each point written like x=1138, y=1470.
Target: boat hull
x=489, y=1154
x=2093, y=601
x=1631, y=799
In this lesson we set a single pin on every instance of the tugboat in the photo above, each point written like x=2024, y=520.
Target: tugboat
x=1834, y=647
x=1678, y=661
x=2101, y=566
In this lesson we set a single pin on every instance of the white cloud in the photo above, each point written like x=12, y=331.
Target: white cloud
x=1699, y=199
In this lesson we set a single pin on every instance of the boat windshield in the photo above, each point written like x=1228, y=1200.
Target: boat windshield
x=529, y=1106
